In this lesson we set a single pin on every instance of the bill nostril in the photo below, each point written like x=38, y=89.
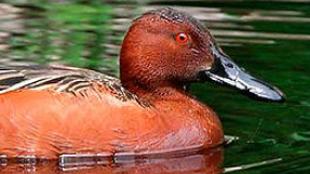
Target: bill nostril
x=229, y=65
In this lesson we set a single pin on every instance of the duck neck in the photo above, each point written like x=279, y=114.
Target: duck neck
x=147, y=82
x=153, y=91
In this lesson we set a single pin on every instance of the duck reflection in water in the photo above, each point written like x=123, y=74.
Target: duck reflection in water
x=207, y=162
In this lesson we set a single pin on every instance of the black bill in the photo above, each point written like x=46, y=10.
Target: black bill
x=227, y=72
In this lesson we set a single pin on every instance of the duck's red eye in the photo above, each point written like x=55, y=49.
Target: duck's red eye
x=182, y=38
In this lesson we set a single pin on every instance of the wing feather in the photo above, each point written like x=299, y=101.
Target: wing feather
x=60, y=79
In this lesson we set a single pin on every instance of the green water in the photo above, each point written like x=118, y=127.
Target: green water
x=270, y=39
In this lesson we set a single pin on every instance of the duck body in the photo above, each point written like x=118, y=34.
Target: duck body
x=100, y=117
x=50, y=111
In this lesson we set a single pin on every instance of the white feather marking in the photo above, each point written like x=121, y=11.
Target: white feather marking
x=21, y=84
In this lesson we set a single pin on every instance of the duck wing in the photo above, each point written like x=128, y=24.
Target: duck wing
x=60, y=79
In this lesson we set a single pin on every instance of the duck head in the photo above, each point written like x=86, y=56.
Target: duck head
x=167, y=47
